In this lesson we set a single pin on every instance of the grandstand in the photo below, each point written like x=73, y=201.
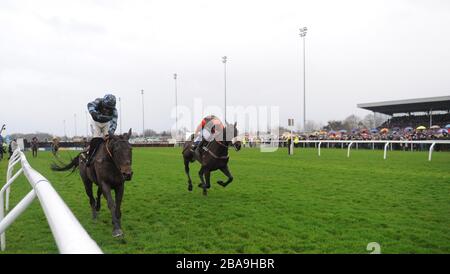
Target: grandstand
x=413, y=112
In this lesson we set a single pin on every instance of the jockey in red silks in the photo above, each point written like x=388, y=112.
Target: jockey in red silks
x=207, y=130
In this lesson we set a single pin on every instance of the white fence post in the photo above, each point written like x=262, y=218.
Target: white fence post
x=320, y=143
x=12, y=216
x=431, y=151
x=348, y=150
x=385, y=150
x=15, y=158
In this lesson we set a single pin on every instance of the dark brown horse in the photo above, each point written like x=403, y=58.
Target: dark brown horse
x=214, y=156
x=110, y=168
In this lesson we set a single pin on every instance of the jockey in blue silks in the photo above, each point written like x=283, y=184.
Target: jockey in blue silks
x=104, y=122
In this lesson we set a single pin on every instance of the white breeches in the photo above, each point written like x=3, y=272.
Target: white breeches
x=99, y=130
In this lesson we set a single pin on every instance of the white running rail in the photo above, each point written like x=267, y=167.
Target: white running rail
x=386, y=143
x=70, y=236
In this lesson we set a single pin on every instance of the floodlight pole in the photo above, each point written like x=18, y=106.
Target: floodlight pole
x=87, y=125
x=120, y=118
x=176, y=106
x=65, y=132
x=75, y=123
x=143, y=114
x=302, y=35
x=224, y=61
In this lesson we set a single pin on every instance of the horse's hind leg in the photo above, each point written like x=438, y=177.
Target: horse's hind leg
x=186, y=169
x=227, y=173
x=88, y=188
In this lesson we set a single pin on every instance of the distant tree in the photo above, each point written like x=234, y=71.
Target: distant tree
x=42, y=136
x=352, y=122
x=312, y=126
x=369, y=121
x=334, y=125
x=373, y=121
x=150, y=133
x=281, y=129
x=165, y=133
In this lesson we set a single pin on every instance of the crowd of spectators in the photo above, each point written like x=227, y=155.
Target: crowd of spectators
x=415, y=121
x=404, y=128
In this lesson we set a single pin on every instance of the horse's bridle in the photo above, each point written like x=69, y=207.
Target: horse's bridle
x=227, y=145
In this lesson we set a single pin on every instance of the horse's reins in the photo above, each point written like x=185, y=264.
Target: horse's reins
x=226, y=157
x=110, y=153
x=213, y=154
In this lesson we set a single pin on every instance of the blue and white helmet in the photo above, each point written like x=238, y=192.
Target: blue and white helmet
x=109, y=101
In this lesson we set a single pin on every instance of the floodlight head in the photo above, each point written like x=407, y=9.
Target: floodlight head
x=303, y=31
x=224, y=59
x=175, y=76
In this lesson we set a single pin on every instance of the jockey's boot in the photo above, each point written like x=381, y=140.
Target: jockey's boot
x=195, y=144
x=95, y=142
x=198, y=148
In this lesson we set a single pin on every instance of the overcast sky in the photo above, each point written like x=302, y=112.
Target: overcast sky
x=56, y=56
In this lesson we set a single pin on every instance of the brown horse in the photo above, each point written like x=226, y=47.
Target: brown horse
x=110, y=168
x=213, y=157
x=55, y=146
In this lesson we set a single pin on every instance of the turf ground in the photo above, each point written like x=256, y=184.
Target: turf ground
x=277, y=204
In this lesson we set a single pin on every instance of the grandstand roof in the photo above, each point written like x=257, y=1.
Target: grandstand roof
x=410, y=105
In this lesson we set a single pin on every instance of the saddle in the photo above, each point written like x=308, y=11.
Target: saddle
x=203, y=146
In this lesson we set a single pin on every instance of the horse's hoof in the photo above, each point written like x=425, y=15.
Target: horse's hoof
x=200, y=185
x=221, y=183
x=117, y=233
x=205, y=192
x=190, y=187
x=208, y=186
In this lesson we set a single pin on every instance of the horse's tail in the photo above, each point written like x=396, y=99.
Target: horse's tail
x=72, y=165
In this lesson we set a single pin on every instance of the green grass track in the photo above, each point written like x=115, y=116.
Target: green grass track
x=277, y=204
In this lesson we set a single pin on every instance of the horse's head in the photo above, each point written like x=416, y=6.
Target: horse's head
x=120, y=151
x=231, y=132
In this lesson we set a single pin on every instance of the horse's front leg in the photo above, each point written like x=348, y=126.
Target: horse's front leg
x=98, y=202
x=117, y=232
x=201, y=173
x=203, y=184
x=208, y=178
x=207, y=183
x=186, y=170
x=119, y=195
x=227, y=173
